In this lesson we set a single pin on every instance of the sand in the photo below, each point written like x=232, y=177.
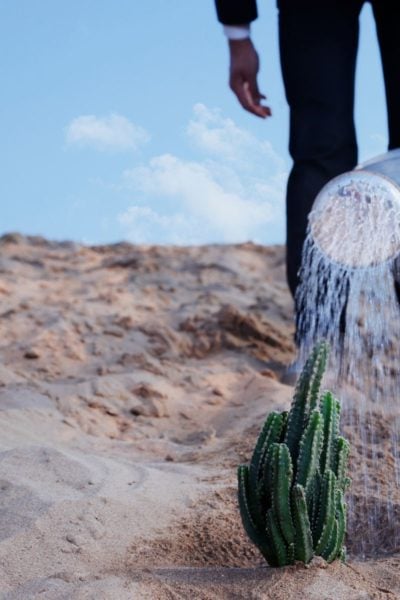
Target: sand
x=133, y=380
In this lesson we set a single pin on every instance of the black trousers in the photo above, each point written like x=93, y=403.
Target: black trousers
x=318, y=50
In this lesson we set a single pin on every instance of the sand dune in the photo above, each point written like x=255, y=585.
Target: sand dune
x=133, y=380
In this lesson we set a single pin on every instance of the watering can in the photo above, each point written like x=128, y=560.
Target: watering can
x=355, y=219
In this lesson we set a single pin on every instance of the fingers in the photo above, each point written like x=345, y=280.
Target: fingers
x=254, y=92
x=250, y=97
x=253, y=99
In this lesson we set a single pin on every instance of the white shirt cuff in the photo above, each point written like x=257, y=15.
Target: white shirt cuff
x=237, y=32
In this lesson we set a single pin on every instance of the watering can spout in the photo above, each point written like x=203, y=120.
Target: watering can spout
x=355, y=220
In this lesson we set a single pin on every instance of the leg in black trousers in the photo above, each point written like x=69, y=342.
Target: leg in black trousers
x=318, y=49
x=387, y=18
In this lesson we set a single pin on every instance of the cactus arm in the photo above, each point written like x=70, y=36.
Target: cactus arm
x=338, y=409
x=278, y=542
x=303, y=543
x=313, y=495
x=265, y=486
x=340, y=531
x=326, y=517
x=259, y=498
x=316, y=378
x=329, y=410
x=297, y=411
x=305, y=396
x=246, y=513
x=244, y=504
x=342, y=457
x=281, y=485
x=276, y=437
x=329, y=553
x=270, y=433
x=285, y=416
x=310, y=448
x=249, y=524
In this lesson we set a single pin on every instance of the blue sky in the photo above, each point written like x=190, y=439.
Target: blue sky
x=117, y=123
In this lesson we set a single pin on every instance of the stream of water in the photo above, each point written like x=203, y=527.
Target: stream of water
x=349, y=296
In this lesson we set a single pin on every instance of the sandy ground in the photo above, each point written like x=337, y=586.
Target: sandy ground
x=133, y=380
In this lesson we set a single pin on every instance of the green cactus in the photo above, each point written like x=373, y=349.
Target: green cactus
x=291, y=496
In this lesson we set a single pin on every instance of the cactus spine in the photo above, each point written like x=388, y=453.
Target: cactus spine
x=291, y=497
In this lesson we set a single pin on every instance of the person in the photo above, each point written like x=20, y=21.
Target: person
x=318, y=42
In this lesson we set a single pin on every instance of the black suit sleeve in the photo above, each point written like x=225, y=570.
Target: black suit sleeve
x=236, y=12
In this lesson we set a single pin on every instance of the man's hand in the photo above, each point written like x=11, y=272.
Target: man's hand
x=243, y=77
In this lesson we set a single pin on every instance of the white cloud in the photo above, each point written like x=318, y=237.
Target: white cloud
x=234, y=193
x=147, y=226
x=113, y=132
x=220, y=137
x=218, y=211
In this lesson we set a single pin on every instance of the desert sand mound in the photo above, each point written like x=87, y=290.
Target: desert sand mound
x=133, y=380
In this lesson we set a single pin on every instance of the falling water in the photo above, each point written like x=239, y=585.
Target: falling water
x=349, y=296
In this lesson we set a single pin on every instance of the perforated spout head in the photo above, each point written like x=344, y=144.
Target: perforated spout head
x=355, y=220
